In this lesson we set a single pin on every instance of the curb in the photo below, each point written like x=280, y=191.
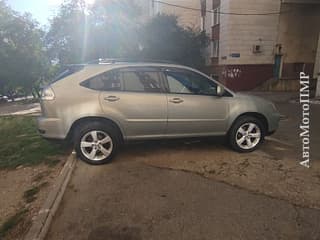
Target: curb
x=41, y=224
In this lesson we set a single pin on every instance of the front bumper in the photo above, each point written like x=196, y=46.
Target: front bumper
x=273, y=122
x=51, y=128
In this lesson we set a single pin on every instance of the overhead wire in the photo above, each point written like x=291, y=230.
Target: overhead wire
x=224, y=13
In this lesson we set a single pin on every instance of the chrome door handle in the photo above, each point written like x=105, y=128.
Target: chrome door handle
x=111, y=98
x=176, y=100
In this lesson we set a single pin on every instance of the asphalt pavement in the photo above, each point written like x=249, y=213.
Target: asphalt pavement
x=128, y=200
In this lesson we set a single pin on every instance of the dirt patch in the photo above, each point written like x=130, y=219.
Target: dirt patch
x=24, y=190
x=258, y=171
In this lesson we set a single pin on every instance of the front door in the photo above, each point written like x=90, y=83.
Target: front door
x=193, y=105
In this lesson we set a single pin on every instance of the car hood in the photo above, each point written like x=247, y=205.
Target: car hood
x=252, y=98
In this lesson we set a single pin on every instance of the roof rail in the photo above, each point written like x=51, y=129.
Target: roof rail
x=127, y=60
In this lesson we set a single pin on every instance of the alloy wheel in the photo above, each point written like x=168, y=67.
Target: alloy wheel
x=96, y=145
x=248, y=135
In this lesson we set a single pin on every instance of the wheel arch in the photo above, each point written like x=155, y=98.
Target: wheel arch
x=257, y=115
x=84, y=120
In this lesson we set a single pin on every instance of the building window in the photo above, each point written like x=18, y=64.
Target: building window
x=155, y=8
x=215, y=16
x=215, y=49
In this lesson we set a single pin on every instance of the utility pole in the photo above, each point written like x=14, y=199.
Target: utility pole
x=318, y=85
x=203, y=4
x=152, y=8
x=318, y=70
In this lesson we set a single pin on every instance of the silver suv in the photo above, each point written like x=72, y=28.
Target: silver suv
x=99, y=106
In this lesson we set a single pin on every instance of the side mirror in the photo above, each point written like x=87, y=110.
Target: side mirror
x=220, y=91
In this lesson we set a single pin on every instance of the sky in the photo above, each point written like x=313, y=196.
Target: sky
x=41, y=10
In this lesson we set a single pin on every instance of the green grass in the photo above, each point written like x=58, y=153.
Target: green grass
x=12, y=222
x=20, y=144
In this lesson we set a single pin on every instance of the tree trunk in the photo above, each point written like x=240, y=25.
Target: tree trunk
x=11, y=96
x=36, y=93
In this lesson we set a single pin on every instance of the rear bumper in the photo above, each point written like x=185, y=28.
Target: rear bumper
x=51, y=128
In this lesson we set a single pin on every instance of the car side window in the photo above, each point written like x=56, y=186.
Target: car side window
x=141, y=81
x=111, y=81
x=179, y=82
x=108, y=81
x=190, y=83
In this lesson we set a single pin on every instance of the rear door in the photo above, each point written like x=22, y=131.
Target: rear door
x=194, y=109
x=135, y=97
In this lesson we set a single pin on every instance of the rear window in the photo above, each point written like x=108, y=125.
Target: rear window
x=67, y=71
x=108, y=81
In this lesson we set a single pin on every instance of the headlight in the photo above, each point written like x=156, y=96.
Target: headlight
x=47, y=94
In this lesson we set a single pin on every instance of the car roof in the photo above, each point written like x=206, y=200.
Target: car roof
x=133, y=64
x=100, y=68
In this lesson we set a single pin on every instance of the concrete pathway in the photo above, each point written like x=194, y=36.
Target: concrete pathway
x=18, y=108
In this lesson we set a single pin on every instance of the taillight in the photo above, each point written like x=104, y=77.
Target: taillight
x=47, y=94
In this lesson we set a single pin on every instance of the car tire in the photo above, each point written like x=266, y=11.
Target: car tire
x=96, y=142
x=246, y=134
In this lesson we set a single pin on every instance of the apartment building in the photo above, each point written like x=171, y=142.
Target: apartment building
x=186, y=17
x=253, y=41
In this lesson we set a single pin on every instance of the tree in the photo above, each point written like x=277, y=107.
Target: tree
x=22, y=58
x=82, y=32
x=163, y=38
x=113, y=29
